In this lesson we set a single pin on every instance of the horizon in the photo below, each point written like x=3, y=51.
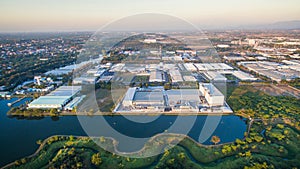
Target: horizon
x=250, y=28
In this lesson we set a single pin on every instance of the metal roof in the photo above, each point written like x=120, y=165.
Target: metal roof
x=130, y=94
x=183, y=94
x=211, y=89
x=149, y=96
x=65, y=91
x=50, y=100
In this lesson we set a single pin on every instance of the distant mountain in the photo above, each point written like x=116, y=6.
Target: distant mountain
x=284, y=25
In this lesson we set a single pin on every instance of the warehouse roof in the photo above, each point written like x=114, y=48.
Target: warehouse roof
x=148, y=96
x=65, y=91
x=211, y=89
x=50, y=100
x=130, y=94
x=183, y=94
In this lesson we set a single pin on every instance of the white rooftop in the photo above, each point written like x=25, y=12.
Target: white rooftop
x=211, y=89
x=130, y=94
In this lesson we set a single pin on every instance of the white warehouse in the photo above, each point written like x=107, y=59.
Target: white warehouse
x=212, y=95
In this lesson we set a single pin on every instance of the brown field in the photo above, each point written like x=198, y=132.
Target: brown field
x=278, y=90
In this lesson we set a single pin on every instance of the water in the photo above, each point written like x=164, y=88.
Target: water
x=19, y=136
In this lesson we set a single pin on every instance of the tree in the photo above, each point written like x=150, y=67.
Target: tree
x=17, y=163
x=258, y=138
x=280, y=126
x=39, y=142
x=167, y=86
x=181, y=155
x=53, y=112
x=215, y=139
x=140, y=85
x=23, y=160
x=249, y=140
x=248, y=154
x=91, y=112
x=96, y=159
x=71, y=138
x=102, y=139
x=35, y=95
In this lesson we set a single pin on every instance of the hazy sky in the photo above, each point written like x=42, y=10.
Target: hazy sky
x=57, y=15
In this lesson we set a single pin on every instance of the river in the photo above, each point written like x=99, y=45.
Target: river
x=19, y=136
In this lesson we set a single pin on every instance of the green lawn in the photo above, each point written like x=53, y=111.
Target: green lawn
x=271, y=150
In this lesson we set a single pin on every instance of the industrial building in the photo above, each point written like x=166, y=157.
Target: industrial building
x=48, y=102
x=70, y=68
x=175, y=75
x=212, y=66
x=156, y=98
x=189, y=78
x=72, y=104
x=275, y=71
x=5, y=94
x=174, y=100
x=149, y=99
x=96, y=72
x=244, y=76
x=139, y=97
x=128, y=98
x=215, y=76
x=202, y=67
x=85, y=80
x=184, y=99
x=56, y=99
x=212, y=95
x=157, y=76
x=66, y=91
x=190, y=67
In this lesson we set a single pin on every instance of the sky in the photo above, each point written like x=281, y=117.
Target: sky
x=73, y=15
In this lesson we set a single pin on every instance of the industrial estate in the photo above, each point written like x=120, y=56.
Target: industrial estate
x=192, y=92
x=174, y=81
x=250, y=78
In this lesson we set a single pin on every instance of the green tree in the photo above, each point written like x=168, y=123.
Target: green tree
x=53, y=112
x=146, y=85
x=167, y=86
x=23, y=160
x=96, y=159
x=102, y=139
x=71, y=138
x=258, y=138
x=280, y=126
x=248, y=154
x=39, y=142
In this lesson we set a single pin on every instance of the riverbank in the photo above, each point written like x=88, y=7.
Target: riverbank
x=155, y=146
x=16, y=112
